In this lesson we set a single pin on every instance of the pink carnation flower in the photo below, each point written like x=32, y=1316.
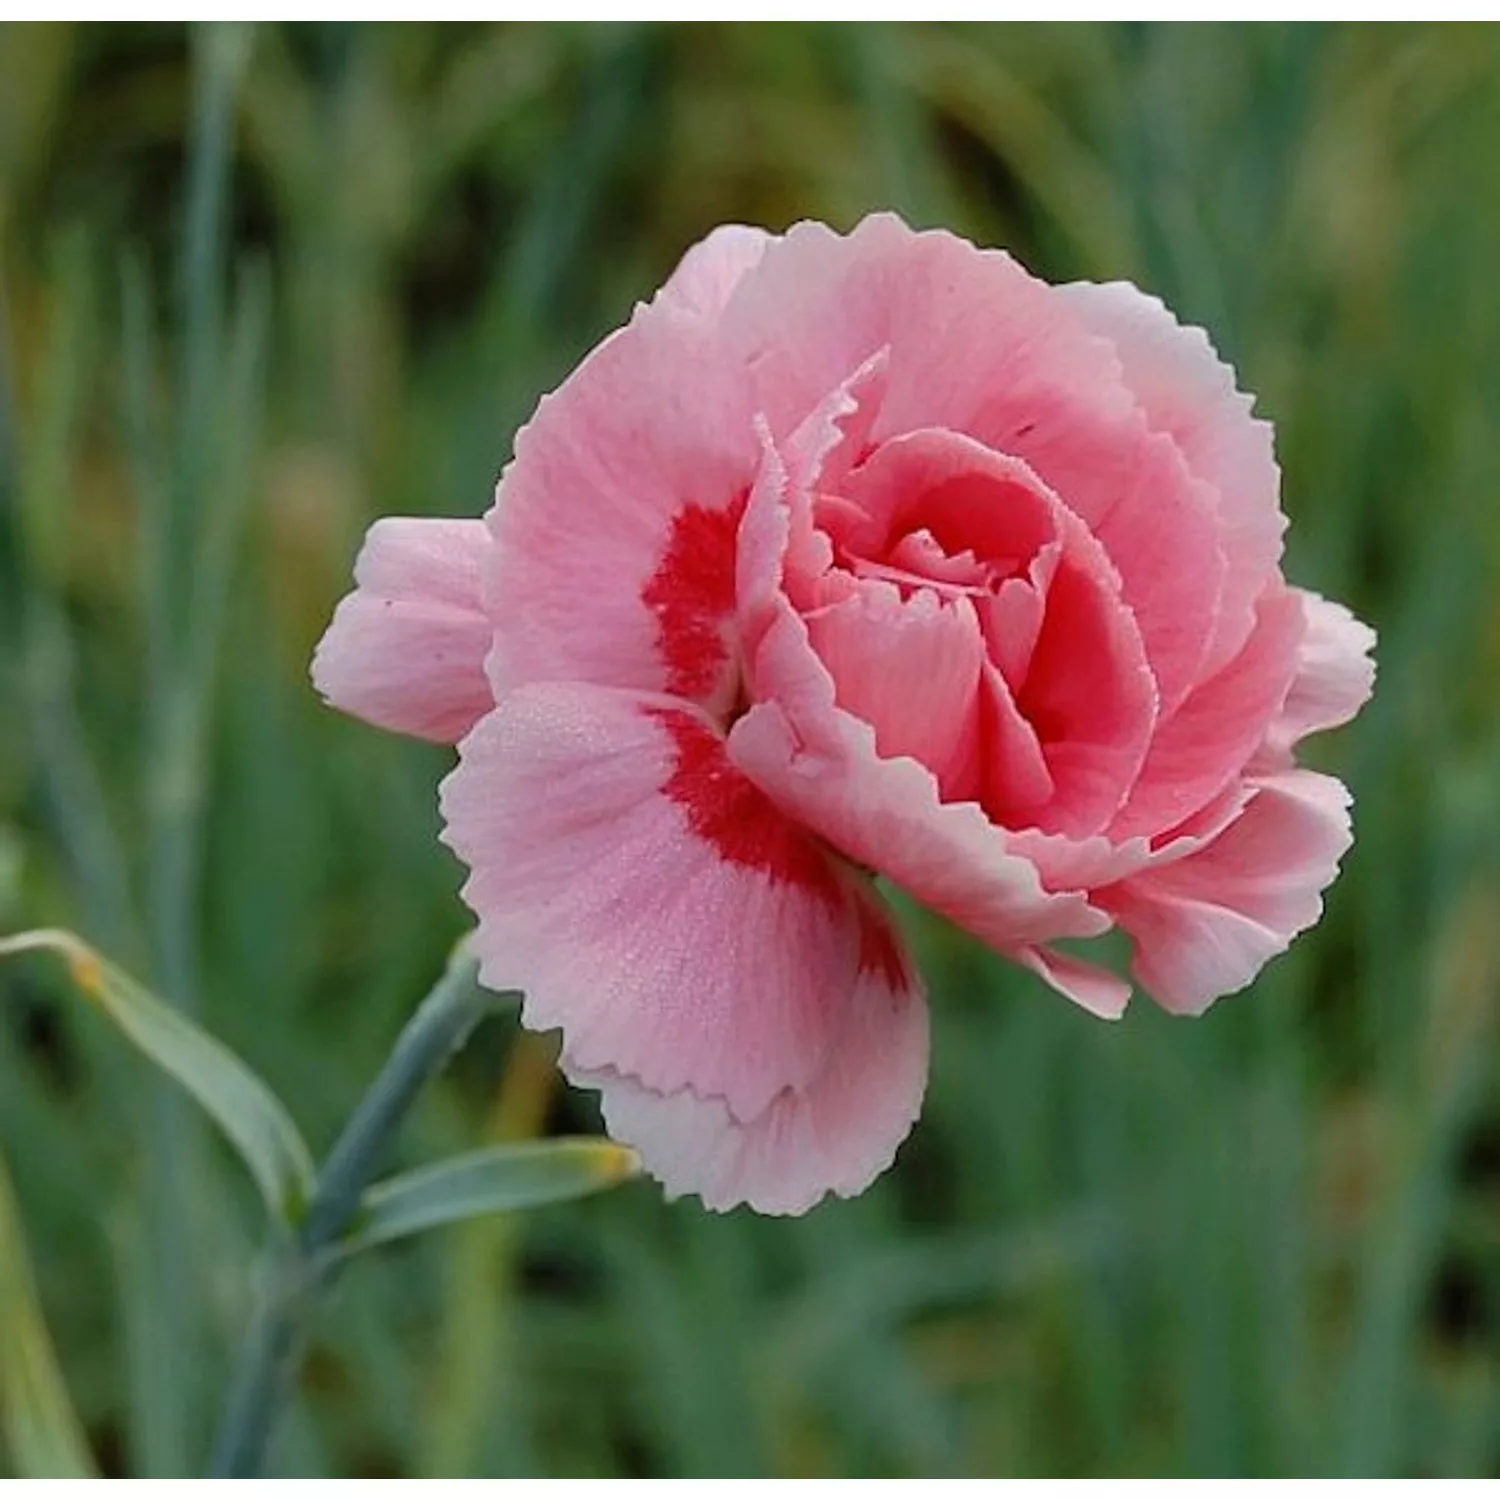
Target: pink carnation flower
x=858, y=555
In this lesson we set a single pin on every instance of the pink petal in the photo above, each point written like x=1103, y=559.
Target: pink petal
x=406, y=649
x=1012, y=617
x=763, y=545
x=707, y=275
x=1205, y=925
x=835, y=435
x=1161, y=534
x=1070, y=864
x=1209, y=740
x=835, y=1135
x=1189, y=394
x=1097, y=990
x=1087, y=864
x=820, y=765
x=657, y=908
x=1335, y=674
x=978, y=346
x=616, y=519
x=819, y=453
x=1088, y=694
x=1090, y=697
x=1015, y=783
x=968, y=497
x=911, y=669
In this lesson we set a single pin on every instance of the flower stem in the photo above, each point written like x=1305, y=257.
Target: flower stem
x=300, y=1267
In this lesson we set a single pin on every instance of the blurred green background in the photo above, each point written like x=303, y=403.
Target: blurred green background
x=261, y=287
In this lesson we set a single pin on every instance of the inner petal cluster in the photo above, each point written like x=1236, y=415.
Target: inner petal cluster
x=967, y=615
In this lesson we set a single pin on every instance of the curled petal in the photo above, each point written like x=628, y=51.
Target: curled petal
x=1012, y=617
x=1087, y=864
x=406, y=649
x=834, y=436
x=1097, y=990
x=1206, y=744
x=1335, y=673
x=1205, y=925
x=966, y=496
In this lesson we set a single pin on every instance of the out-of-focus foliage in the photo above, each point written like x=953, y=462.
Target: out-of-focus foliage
x=1267, y=1242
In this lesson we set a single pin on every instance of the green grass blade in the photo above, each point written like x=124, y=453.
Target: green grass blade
x=177, y=724
x=46, y=479
x=245, y=368
x=42, y=1430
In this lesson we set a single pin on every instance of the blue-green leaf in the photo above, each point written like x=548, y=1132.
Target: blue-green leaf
x=254, y=1119
x=492, y=1179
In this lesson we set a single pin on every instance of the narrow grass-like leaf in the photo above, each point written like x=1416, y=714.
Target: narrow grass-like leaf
x=142, y=443
x=42, y=1432
x=46, y=475
x=493, y=1179
x=178, y=729
x=238, y=436
x=245, y=1109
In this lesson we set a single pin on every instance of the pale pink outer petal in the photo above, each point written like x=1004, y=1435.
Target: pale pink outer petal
x=836, y=1135
x=406, y=649
x=660, y=955
x=976, y=345
x=1189, y=394
x=653, y=422
x=708, y=273
x=1335, y=673
x=1204, y=926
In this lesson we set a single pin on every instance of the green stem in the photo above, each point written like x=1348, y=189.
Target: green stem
x=301, y=1266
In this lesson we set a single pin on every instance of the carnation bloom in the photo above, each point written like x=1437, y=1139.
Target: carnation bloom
x=852, y=556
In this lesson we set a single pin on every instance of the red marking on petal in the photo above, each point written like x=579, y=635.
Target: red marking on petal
x=727, y=810
x=880, y=950
x=691, y=593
